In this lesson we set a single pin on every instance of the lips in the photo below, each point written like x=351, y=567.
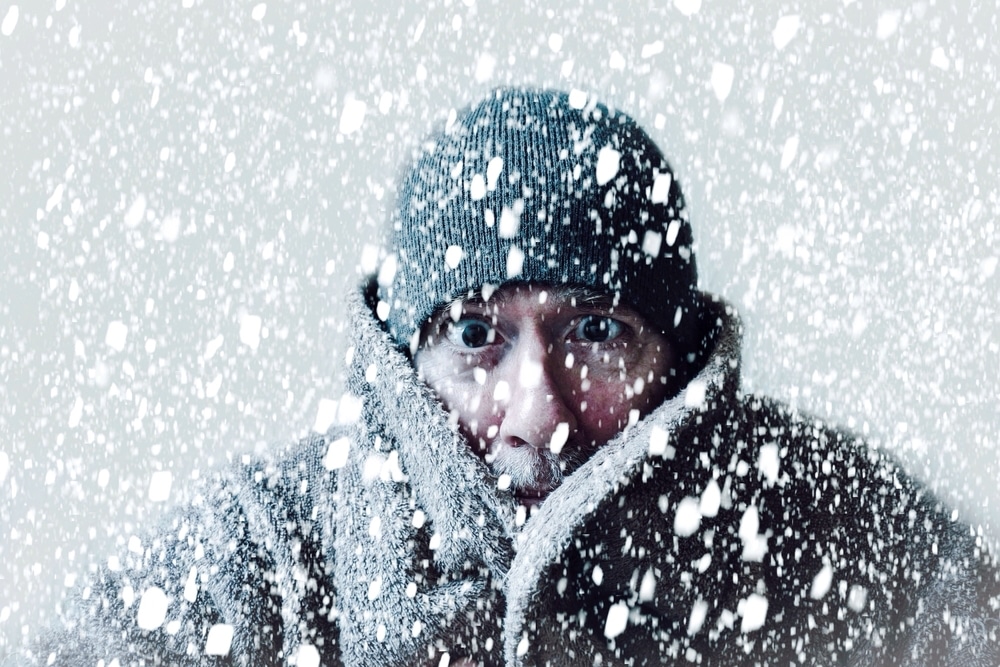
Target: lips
x=532, y=496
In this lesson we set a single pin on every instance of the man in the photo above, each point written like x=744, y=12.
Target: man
x=551, y=462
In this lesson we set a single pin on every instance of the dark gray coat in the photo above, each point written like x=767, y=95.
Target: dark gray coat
x=721, y=529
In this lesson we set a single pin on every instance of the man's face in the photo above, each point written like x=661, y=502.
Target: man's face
x=540, y=377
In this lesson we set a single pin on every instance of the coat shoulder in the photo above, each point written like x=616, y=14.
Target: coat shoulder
x=847, y=522
x=219, y=569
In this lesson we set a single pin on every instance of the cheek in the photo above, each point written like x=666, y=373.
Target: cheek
x=613, y=392
x=458, y=394
x=597, y=399
x=606, y=400
x=471, y=402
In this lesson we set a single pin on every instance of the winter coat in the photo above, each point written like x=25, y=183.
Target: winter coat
x=721, y=529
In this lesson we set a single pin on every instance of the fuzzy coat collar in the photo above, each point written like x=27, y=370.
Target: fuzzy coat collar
x=443, y=498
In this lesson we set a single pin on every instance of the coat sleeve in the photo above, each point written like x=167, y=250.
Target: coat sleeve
x=213, y=584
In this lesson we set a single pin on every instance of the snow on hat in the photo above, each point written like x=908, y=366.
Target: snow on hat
x=540, y=186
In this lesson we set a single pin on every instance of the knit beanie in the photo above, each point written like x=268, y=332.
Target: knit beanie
x=540, y=186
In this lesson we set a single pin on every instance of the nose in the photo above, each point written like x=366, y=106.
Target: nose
x=539, y=411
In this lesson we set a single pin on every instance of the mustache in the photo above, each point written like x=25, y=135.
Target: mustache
x=535, y=470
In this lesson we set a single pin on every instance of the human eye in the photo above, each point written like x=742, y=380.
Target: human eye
x=471, y=333
x=598, y=329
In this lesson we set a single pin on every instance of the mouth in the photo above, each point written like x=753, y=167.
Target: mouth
x=531, y=497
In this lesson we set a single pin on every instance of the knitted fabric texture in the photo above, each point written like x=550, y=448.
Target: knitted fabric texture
x=536, y=186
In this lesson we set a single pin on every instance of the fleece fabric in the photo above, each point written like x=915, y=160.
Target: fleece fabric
x=721, y=529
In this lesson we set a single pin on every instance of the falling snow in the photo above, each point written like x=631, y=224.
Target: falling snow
x=785, y=30
x=220, y=638
x=608, y=160
x=159, y=486
x=688, y=517
x=193, y=188
x=10, y=20
x=336, y=454
x=617, y=620
x=722, y=82
x=353, y=115
x=152, y=608
x=754, y=613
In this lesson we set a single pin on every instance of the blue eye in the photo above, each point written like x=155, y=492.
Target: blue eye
x=598, y=329
x=471, y=333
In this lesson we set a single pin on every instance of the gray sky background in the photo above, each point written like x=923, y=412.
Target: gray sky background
x=189, y=187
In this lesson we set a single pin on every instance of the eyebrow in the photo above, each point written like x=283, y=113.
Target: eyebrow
x=581, y=296
x=588, y=296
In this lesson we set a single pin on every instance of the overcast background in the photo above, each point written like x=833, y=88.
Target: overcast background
x=187, y=188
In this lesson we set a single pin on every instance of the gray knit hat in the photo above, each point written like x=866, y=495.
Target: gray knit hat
x=540, y=186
